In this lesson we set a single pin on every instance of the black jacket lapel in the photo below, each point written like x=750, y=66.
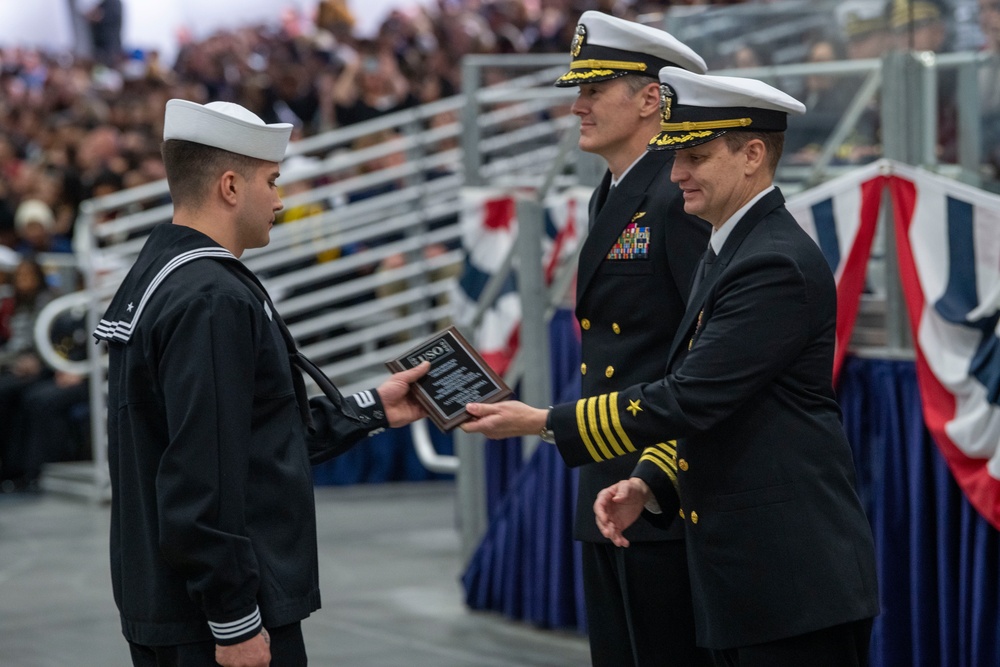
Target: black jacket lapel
x=747, y=223
x=616, y=214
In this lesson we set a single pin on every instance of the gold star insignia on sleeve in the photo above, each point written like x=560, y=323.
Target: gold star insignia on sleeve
x=633, y=407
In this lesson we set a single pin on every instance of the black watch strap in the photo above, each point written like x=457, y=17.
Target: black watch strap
x=547, y=434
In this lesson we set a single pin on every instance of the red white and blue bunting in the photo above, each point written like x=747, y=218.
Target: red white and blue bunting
x=949, y=260
x=949, y=265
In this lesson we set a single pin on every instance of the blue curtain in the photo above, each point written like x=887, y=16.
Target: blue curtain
x=938, y=560
x=385, y=457
x=528, y=566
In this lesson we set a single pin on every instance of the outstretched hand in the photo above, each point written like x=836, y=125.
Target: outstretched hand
x=506, y=419
x=618, y=506
x=400, y=406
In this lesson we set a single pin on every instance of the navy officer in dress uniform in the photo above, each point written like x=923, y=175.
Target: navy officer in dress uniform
x=210, y=432
x=633, y=278
x=780, y=552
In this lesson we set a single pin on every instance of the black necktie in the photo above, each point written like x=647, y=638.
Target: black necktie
x=603, y=202
x=704, y=266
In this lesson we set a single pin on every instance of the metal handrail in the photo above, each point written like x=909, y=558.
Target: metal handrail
x=503, y=141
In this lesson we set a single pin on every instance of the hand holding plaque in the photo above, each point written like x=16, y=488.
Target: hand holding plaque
x=458, y=376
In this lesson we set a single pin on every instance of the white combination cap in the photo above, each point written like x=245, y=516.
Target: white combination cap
x=606, y=47
x=227, y=126
x=696, y=108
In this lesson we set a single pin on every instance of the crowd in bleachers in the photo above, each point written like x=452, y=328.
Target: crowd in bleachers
x=73, y=128
x=865, y=29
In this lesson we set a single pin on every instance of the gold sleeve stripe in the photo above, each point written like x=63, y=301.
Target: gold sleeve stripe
x=605, y=426
x=652, y=453
x=592, y=424
x=581, y=426
x=617, y=422
x=648, y=455
x=609, y=64
x=667, y=471
x=652, y=459
x=669, y=447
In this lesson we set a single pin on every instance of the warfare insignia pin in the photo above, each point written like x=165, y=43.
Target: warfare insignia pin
x=578, y=40
x=638, y=215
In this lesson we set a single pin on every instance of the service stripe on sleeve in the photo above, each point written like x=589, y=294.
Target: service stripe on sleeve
x=581, y=426
x=233, y=629
x=608, y=434
x=658, y=453
x=661, y=465
x=617, y=422
x=654, y=456
x=592, y=424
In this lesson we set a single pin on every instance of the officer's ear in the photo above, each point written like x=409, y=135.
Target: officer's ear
x=650, y=100
x=756, y=155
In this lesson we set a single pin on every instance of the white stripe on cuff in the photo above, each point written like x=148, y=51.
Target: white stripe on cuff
x=235, y=628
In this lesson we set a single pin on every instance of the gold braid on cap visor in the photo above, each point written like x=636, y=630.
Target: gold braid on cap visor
x=571, y=76
x=609, y=64
x=694, y=126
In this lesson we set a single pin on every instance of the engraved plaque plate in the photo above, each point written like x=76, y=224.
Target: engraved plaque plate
x=458, y=376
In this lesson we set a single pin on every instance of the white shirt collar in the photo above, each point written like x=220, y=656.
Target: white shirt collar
x=616, y=181
x=719, y=236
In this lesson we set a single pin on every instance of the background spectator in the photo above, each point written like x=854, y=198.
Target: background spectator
x=370, y=86
x=918, y=25
x=826, y=97
x=35, y=227
x=20, y=368
x=866, y=33
x=989, y=84
x=105, y=22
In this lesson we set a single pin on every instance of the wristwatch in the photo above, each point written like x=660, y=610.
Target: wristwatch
x=547, y=434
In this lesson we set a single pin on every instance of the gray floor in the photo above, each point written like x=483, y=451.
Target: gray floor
x=389, y=561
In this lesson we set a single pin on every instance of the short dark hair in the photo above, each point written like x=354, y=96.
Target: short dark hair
x=637, y=82
x=192, y=168
x=774, y=143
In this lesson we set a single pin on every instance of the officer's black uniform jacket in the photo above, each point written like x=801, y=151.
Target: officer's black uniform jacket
x=212, y=513
x=778, y=544
x=633, y=278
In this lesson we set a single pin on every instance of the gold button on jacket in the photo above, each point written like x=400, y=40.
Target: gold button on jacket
x=641, y=290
